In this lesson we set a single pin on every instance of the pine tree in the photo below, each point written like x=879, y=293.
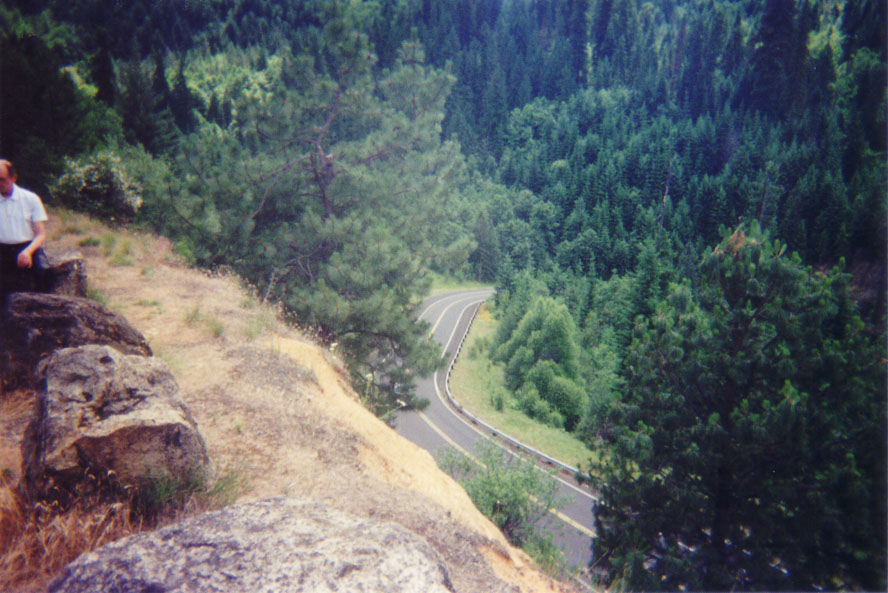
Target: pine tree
x=775, y=62
x=347, y=201
x=147, y=119
x=214, y=111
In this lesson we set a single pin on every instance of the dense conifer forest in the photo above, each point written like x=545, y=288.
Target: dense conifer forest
x=682, y=205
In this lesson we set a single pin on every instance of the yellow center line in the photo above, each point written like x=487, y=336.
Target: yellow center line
x=458, y=295
x=446, y=309
x=450, y=441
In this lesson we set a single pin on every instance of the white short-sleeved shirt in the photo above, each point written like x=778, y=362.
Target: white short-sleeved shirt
x=18, y=213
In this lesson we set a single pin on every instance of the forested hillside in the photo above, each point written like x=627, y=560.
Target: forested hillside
x=682, y=204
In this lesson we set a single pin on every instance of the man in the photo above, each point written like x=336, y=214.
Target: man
x=23, y=263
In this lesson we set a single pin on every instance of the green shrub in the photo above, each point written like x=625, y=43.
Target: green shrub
x=193, y=315
x=184, y=250
x=530, y=402
x=121, y=259
x=99, y=185
x=511, y=491
x=498, y=400
x=548, y=556
x=108, y=242
x=215, y=326
x=478, y=348
x=156, y=495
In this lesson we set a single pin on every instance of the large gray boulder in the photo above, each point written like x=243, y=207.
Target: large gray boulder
x=278, y=545
x=109, y=412
x=36, y=324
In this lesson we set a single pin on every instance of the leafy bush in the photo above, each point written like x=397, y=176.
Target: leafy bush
x=511, y=491
x=547, y=555
x=543, y=360
x=99, y=185
x=498, y=399
x=478, y=348
x=530, y=402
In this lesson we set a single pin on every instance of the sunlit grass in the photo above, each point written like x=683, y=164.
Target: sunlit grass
x=121, y=259
x=476, y=383
x=195, y=315
x=259, y=323
x=171, y=356
x=73, y=229
x=215, y=326
x=447, y=284
x=108, y=242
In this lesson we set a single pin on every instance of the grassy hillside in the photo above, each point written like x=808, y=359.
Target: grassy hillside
x=275, y=409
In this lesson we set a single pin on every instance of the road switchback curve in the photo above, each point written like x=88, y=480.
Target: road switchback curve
x=443, y=423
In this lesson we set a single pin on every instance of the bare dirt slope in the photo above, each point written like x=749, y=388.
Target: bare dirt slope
x=277, y=408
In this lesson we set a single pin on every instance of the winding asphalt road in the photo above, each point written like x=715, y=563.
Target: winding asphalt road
x=441, y=424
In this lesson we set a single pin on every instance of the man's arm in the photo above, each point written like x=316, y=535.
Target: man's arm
x=24, y=256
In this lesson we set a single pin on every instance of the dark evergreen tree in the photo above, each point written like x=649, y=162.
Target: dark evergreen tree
x=183, y=102
x=487, y=256
x=214, y=111
x=147, y=119
x=775, y=64
x=748, y=448
x=159, y=84
x=103, y=74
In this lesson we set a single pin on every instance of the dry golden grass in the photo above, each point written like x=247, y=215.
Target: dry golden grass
x=39, y=538
x=38, y=541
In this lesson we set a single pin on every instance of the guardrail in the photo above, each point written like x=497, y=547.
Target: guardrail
x=495, y=432
x=514, y=443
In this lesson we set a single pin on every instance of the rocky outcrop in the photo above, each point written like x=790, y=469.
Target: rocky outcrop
x=278, y=545
x=109, y=412
x=67, y=274
x=36, y=325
